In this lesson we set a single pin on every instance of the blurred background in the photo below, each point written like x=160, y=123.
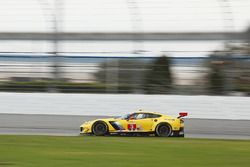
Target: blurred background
x=192, y=47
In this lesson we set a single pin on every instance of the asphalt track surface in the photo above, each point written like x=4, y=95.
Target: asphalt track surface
x=65, y=125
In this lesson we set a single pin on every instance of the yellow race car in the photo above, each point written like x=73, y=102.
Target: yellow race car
x=137, y=123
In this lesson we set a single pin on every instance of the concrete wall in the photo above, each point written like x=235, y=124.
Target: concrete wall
x=214, y=107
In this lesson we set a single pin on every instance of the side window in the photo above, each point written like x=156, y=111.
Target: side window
x=153, y=116
x=140, y=116
x=156, y=115
x=133, y=116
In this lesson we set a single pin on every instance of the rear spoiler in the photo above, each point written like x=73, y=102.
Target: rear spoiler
x=183, y=114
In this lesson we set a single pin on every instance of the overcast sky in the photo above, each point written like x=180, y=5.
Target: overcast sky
x=120, y=16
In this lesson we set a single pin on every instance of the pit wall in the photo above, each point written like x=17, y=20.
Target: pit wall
x=209, y=107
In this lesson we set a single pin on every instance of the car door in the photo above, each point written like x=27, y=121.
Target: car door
x=141, y=122
x=125, y=122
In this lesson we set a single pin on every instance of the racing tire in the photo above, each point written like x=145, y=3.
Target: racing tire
x=163, y=130
x=100, y=128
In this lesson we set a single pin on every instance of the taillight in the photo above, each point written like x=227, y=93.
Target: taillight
x=182, y=121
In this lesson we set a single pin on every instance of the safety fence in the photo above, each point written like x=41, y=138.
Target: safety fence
x=125, y=74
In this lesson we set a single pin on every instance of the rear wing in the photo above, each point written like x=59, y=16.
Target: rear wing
x=182, y=114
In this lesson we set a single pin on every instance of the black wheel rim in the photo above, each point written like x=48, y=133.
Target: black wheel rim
x=163, y=130
x=100, y=129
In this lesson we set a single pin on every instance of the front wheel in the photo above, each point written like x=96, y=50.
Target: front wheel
x=163, y=130
x=100, y=129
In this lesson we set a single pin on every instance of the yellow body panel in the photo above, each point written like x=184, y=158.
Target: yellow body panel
x=116, y=125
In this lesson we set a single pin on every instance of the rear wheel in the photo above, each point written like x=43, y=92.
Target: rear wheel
x=100, y=128
x=163, y=130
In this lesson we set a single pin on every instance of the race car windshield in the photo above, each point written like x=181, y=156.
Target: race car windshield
x=125, y=116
